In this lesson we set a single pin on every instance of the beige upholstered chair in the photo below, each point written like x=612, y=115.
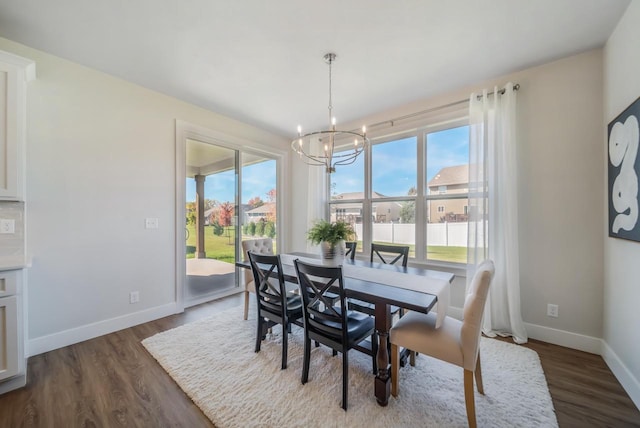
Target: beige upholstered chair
x=456, y=342
x=260, y=246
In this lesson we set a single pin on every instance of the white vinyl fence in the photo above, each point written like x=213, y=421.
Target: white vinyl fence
x=438, y=234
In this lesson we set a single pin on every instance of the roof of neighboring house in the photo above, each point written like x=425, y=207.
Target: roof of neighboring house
x=355, y=195
x=266, y=208
x=451, y=175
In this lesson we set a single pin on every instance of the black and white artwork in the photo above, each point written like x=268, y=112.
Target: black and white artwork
x=623, y=169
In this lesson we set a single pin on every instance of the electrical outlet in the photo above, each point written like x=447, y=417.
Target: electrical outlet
x=134, y=297
x=151, y=223
x=7, y=226
x=552, y=310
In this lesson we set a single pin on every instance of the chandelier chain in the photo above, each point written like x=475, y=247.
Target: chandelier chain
x=330, y=60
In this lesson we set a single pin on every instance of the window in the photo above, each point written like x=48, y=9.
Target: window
x=447, y=166
x=417, y=190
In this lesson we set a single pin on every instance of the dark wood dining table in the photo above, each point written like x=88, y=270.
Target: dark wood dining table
x=383, y=297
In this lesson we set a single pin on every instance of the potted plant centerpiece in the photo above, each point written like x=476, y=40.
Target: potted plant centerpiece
x=331, y=237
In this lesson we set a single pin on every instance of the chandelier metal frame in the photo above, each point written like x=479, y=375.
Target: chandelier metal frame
x=324, y=141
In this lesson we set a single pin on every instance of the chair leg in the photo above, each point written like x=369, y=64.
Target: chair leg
x=246, y=305
x=285, y=346
x=395, y=368
x=259, y=333
x=468, y=398
x=345, y=377
x=478, y=373
x=305, y=360
x=412, y=358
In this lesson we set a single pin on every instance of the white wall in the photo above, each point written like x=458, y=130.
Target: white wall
x=621, y=262
x=560, y=187
x=100, y=159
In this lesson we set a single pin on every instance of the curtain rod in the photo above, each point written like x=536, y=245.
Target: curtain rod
x=429, y=110
x=501, y=91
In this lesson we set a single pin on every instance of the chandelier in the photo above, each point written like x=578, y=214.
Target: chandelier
x=318, y=148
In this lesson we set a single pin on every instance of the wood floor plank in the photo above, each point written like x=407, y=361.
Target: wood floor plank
x=112, y=381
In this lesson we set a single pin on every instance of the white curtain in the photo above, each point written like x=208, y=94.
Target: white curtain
x=493, y=207
x=316, y=198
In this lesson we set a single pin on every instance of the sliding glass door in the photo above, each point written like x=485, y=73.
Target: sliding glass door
x=259, y=197
x=230, y=194
x=211, y=198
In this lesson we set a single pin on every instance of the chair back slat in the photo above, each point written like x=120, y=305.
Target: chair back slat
x=351, y=249
x=320, y=314
x=269, y=280
x=383, y=251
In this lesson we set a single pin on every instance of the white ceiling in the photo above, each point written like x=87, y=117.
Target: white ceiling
x=262, y=61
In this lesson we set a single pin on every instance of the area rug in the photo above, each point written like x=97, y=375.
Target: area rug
x=214, y=362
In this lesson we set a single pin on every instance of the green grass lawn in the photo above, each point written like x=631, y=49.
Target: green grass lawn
x=216, y=247
x=437, y=253
x=222, y=247
x=447, y=254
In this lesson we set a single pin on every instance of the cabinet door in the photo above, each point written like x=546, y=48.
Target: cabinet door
x=9, y=349
x=15, y=72
x=9, y=160
x=8, y=282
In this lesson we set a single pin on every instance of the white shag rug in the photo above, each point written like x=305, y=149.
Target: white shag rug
x=214, y=362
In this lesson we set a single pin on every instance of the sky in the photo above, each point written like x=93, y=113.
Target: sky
x=394, y=168
x=394, y=165
x=257, y=180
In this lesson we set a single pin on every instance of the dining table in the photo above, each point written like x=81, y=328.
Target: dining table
x=384, y=285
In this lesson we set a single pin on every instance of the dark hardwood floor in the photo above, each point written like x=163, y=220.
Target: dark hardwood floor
x=112, y=381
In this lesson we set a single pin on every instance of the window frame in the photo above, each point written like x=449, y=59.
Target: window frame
x=430, y=123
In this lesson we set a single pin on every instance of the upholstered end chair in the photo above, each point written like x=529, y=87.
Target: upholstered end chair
x=260, y=246
x=456, y=342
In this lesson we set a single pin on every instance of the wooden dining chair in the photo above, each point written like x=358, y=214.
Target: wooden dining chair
x=276, y=305
x=456, y=342
x=329, y=324
x=259, y=246
x=385, y=254
x=390, y=254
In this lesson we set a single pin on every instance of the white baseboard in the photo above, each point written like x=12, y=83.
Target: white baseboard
x=13, y=383
x=564, y=338
x=585, y=343
x=622, y=373
x=50, y=342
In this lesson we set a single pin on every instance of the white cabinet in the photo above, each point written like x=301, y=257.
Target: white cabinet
x=15, y=72
x=12, y=356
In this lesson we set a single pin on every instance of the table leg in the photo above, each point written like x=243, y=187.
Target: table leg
x=383, y=380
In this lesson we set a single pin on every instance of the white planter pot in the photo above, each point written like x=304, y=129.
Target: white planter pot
x=330, y=252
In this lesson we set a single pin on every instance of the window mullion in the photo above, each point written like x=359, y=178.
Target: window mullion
x=420, y=214
x=367, y=227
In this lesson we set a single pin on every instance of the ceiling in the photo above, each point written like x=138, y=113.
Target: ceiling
x=261, y=62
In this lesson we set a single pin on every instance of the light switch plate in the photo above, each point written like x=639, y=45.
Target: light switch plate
x=7, y=226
